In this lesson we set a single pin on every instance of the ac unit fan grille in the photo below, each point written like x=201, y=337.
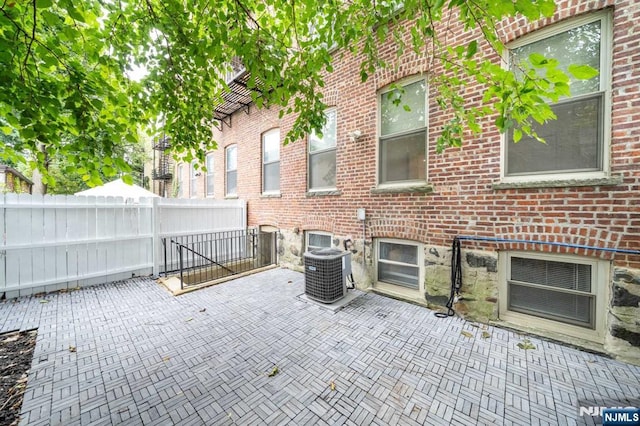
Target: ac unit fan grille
x=324, y=278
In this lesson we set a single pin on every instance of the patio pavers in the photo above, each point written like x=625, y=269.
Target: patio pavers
x=145, y=357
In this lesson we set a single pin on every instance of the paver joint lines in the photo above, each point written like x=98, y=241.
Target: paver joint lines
x=144, y=357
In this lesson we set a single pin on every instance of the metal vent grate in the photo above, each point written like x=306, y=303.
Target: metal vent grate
x=324, y=275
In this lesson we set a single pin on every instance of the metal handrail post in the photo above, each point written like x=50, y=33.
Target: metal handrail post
x=181, y=269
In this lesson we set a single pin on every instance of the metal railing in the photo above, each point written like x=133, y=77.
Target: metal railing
x=201, y=258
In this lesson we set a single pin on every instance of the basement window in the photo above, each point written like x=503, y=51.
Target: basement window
x=318, y=240
x=560, y=290
x=398, y=263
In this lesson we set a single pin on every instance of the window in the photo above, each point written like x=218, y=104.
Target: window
x=403, y=134
x=399, y=263
x=231, y=155
x=318, y=240
x=210, y=175
x=575, y=142
x=322, y=155
x=555, y=289
x=193, y=180
x=179, y=182
x=271, y=161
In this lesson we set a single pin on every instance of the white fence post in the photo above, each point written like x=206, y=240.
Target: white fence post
x=157, y=241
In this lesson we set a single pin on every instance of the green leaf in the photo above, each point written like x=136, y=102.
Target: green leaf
x=75, y=14
x=582, y=72
x=472, y=48
x=43, y=4
x=538, y=60
x=526, y=345
x=517, y=135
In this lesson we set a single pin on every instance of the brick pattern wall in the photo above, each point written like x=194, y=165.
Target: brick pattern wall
x=464, y=201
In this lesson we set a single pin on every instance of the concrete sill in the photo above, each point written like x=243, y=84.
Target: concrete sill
x=327, y=193
x=274, y=195
x=409, y=189
x=561, y=183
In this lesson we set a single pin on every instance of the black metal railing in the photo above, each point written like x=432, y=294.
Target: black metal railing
x=200, y=258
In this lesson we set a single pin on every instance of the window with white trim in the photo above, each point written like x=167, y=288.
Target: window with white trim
x=399, y=263
x=576, y=143
x=271, y=161
x=317, y=240
x=322, y=155
x=403, y=133
x=562, y=292
x=193, y=179
x=179, y=181
x=210, y=180
x=231, y=170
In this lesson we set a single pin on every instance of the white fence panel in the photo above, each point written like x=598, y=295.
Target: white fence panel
x=182, y=217
x=54, y=242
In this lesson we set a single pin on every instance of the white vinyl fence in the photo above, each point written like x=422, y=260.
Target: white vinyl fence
x=57, y=242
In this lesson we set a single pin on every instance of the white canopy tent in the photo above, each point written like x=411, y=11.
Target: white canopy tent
x=118, y=188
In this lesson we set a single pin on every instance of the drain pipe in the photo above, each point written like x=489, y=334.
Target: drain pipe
x=456, y=265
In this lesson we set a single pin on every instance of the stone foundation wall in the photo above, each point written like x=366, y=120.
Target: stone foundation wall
x=623, y=319
x=479, y=292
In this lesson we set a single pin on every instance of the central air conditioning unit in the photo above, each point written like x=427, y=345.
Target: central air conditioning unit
x=325, y=273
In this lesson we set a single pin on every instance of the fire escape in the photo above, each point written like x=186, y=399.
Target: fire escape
x=238, y=97
x=163, y=166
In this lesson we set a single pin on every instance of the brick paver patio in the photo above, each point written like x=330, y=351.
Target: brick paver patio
x=209, y=357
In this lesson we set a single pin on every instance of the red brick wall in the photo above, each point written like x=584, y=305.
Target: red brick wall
x=464, y=201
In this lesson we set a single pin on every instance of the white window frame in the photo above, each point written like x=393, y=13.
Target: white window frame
x=227, y=170
x=390, y=88
x=306, y=239
x=398, y=288
x=323, y=151
x=180, y=181
x=193, y=179
x=606, y=63
x=599, y=279
x=210, y=187
x=265, y=163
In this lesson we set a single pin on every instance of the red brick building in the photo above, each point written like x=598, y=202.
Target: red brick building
x=552, y=230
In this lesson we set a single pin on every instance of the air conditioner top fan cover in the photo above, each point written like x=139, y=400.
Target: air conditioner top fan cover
x=324, y=253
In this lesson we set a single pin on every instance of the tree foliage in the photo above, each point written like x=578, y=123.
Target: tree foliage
x=65, y=88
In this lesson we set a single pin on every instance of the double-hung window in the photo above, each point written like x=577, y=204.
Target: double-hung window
x=209, y=183
x=271, y=161
x=193, y=180
x=403, y=134
x=322, y=155
x=179, y=180
x=231, y=167
x=576, y=143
